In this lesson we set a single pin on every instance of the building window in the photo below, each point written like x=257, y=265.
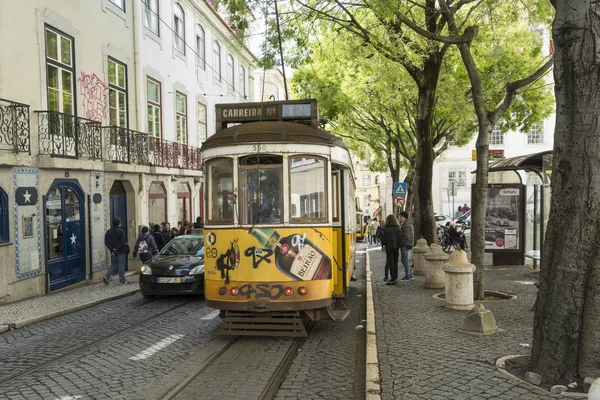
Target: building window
x=154, y=108
x=230, y=73
x=151, y=16
x=535, y=135
x=366, y=201
x=458, y=175
x=200, y=47
x=4, y=232
x=201, y=123
x=217, y=61
x=119, y=3
x=181, y=117
x=496, y=136
x=366, y=180
x=243, y=81
x=59, y=70
x=157, y=203
x=117, y=93
x=179, y=28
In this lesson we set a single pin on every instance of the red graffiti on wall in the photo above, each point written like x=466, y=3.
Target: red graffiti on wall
x=94, y=96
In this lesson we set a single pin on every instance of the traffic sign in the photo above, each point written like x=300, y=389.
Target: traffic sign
x=399, y=201
x=400, y=189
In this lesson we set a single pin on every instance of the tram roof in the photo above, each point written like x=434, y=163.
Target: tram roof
x=272, y=132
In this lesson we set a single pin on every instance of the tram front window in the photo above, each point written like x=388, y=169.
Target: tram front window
x=307, y=190
x=260, y=185
x=220, y=189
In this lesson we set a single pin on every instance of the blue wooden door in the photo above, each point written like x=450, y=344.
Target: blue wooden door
x=65, y=235
x=118, y=209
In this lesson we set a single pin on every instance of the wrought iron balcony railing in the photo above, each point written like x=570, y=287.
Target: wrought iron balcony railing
x=124, y=145
x=65, y=135
x=14, y=127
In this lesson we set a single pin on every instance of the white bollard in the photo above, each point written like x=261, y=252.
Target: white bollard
x=418, y=256
x=459, y=282
x=594, y=392
x=434, y=263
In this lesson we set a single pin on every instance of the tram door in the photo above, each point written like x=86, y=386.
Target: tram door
x=118, y=207
x=65, y=235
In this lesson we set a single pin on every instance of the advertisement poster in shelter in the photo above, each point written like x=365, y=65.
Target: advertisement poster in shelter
x=502, y=220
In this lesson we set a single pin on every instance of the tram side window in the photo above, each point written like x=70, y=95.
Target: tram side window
x=308, y=190
x=220, y=190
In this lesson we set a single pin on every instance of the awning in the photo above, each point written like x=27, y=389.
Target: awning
x=528, y=162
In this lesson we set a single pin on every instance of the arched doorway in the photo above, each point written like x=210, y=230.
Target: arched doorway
x=184, y=202
x=118, y=206
x=64, y=208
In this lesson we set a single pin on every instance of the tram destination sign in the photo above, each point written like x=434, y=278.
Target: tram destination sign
x=288, y=110
x=266, y=113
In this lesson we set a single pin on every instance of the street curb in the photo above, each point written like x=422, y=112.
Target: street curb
x=373, y=383
x=29, y=321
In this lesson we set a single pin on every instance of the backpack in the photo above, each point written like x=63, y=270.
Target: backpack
x=379, y=231
x=143, y=247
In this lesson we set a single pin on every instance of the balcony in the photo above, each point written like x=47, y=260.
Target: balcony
x=122, y=145
x=14, y=127
x=65, y=135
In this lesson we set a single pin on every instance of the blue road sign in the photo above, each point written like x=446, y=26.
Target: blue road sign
x=400, y=189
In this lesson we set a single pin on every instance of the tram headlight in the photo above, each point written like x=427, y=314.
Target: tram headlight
x=146, y=270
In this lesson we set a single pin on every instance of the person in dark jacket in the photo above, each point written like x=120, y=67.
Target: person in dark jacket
x=145, y=246
x=198, y=224
x=167, y=233
x=391, y=239
x=407, y=242
x=158, y=237
x=116, y=242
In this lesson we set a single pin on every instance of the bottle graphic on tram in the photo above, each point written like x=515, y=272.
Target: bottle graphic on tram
x=295, y=255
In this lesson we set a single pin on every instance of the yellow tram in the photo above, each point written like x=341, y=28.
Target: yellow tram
x=280, y=218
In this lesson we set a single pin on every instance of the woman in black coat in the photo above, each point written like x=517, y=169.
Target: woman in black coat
x=391, y=239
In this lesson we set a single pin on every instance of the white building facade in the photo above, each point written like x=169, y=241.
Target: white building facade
x=104, y=107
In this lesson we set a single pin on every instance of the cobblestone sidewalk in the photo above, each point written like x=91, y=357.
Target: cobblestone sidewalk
x=423, y=356
x=26, y=312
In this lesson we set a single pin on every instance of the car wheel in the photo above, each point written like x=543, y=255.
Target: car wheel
x=148, y=296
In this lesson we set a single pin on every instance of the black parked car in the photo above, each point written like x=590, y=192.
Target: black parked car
x=177, y=269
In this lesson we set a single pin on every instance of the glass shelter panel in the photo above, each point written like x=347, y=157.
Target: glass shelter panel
x=308, y=190
x=220, y=189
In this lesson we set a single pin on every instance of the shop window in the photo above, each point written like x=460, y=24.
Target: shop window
x=157, y=203
x=4, y=233
x=184, y=202
x=307, y=189
x=54, y=224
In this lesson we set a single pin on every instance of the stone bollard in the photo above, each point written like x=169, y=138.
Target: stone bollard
x=594, y=393
x=418, y=256
x=459, y=282
x=434, y=263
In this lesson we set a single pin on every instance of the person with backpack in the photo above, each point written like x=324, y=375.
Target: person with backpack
x=116, y=242
x=145, y=246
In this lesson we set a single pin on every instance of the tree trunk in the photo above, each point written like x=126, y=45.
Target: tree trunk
x=478, y=210
x=566, y=344
x=410, y=185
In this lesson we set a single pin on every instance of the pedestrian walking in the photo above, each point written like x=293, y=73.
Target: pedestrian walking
x=391, y=239
x=373, y=230
x=116, y=242
x=158, y=237
x=407, y=243
x=145, y=246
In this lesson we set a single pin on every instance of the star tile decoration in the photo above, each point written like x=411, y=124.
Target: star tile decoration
x=26, y=196
x=73, y=238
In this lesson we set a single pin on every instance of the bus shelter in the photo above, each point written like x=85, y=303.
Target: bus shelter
x=518, y=207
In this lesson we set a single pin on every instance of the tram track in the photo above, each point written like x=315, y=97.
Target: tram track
x=93, y=343
x=272, y=385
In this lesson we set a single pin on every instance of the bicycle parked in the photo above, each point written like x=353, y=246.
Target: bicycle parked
x=451, y=238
